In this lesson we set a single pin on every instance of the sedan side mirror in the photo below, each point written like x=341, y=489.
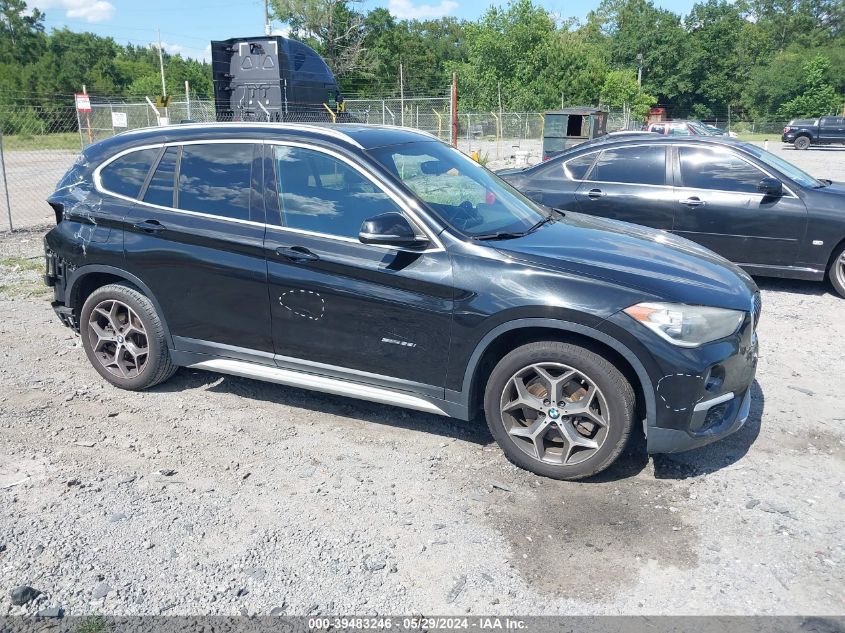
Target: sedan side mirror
x=390, y=229
x=771, y=187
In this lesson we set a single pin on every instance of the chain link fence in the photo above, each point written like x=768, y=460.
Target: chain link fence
x=38, y=145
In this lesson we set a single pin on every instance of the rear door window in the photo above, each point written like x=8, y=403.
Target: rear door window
x=126, y=175
x=160, y=189
x=577, y=168
x=214, y=178
x=717, y=170
x=639, y=165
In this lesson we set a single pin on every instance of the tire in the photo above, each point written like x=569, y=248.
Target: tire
x=123, y=337
x=802, y=142
x=836, y=271
x=590, y=447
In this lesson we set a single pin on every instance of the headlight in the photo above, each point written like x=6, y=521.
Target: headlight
x=684, y=325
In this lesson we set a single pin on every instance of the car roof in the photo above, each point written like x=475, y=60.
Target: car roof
x=350, y=135
x=604, y=143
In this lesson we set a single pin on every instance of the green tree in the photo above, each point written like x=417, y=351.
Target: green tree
x=620, y=88
x=818, y=96
x=335, y=28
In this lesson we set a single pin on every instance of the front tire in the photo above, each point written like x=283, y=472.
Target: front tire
x=124, y=339
x=559, y=410
x=836, y=272
x=802, y=142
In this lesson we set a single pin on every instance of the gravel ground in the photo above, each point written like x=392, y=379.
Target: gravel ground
x=220, y=495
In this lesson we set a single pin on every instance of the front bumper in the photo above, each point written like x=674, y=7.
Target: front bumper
x=730, y=415
x=701, y=394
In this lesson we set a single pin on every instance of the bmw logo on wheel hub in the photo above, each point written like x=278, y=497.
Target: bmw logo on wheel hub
x=554, y=414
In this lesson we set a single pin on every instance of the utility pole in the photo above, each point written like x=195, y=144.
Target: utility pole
x=402, y=93
x=163, y=85
x=501, y=112
x=640, y=71
x=454, y=108
x=161, y=66
x=268, y=28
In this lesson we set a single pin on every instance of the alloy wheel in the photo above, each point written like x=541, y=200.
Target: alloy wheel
x=555, y=413
x=118, y=338
x=840, y=270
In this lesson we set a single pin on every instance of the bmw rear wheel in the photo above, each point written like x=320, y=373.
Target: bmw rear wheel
x=836, y=272
x=559, y=410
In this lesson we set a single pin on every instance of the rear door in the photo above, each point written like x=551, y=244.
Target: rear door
x=718, y=206
x=832, y=129
x=196, y=239
x=630, y=183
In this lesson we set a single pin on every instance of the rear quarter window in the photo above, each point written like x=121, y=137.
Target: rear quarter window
x=126, y=175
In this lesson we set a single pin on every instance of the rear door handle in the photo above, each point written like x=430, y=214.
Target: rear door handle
x=693, y=202
x=296, y=254
x=595, y=194
x=149, y=226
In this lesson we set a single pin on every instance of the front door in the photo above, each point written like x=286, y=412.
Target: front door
x=718, y=206
x=630, y=184
x=196, y=239
x=341, y=307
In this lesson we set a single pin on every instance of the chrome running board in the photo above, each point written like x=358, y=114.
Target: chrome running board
x=314, y=382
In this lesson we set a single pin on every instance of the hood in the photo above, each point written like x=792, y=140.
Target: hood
x=658, y=263
x=836, y=188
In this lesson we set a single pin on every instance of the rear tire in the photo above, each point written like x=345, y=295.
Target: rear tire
x=836, y=272
x=802, y=142
x=123, y=338
x=559, y=410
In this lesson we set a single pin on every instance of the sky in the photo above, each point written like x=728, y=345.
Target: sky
x=187, y=26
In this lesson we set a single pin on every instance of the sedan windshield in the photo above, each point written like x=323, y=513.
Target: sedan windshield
x=460, y=191
x=786, y=168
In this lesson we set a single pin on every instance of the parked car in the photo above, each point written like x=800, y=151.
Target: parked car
x=715, y=131
x=381, y=264
x=679, y=128
x=750, y=206
x=827, y=130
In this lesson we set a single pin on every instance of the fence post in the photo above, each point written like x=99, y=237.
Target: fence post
x=5, y=183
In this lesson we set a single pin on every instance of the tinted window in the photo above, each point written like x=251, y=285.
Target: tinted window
x=679, y=130
x=127, y=174
x=576, y=169
x=706, y=169
x=642, y=164
x=831, y=121
x=322, y=194
x=160, y=189
x=215, y=179
x=660, y=129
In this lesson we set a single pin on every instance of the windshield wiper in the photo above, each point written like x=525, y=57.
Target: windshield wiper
x=509, y=235
x=500, y=235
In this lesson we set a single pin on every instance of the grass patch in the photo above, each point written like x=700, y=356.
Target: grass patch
x=759, y=136
x=21, y=278
x=93, y=624
x=64, y=140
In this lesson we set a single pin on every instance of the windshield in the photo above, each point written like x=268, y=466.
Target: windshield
x=460, y=191
x=786, y=168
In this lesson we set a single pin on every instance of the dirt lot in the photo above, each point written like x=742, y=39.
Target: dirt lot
x=213, y=494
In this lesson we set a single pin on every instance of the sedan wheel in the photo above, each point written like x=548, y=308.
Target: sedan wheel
x=836, y=273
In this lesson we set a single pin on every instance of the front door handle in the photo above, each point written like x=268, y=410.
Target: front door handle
x=296, y=254
x=693, y=202
x=149, y=226
x=595, y=194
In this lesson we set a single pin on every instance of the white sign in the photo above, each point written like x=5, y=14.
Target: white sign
x=83, y=102
x=118, y=119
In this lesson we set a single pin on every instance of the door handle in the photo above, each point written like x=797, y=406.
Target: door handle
x=296, y=254
x=693, y=202
x=595, y=194
x=149, y=226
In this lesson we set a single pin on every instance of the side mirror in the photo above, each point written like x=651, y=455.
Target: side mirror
x=771, y=187
x=390, y=229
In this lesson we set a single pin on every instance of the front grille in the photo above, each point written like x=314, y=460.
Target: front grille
x=756, y=309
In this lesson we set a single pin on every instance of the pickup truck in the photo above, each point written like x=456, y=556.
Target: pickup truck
x=826, y=130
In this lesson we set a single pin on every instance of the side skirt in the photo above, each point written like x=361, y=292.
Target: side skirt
x=784, y=272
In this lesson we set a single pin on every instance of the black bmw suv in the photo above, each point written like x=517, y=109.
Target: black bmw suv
x=379, y=263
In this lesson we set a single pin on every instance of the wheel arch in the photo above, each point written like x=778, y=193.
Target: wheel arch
x=510, y=335
x=86, y=279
